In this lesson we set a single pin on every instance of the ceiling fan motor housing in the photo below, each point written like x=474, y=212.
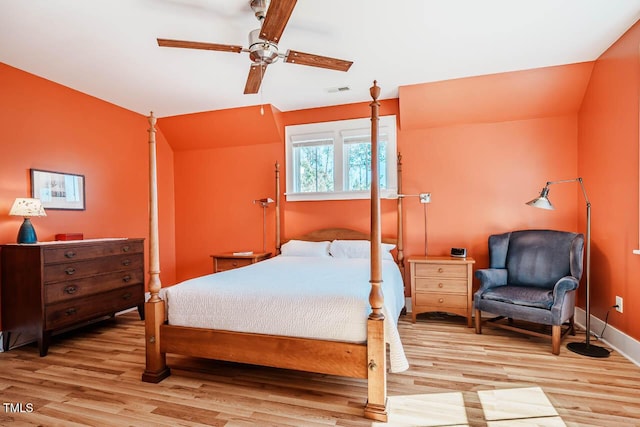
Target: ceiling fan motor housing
x=261, y=51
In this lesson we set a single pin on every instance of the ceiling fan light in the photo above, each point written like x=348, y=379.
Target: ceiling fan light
x=262, y=51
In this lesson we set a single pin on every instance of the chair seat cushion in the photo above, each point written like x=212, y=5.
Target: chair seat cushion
x=529, y=296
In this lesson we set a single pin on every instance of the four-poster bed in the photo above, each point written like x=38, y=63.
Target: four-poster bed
x=365, y=358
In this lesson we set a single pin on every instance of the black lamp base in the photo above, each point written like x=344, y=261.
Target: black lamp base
x=587, y=349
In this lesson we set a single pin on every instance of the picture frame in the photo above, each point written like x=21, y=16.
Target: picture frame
x=58, y=190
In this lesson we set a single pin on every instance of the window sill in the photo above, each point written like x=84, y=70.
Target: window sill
x=339, y=195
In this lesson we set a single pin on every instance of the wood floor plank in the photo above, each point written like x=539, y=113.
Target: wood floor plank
x=92, y=377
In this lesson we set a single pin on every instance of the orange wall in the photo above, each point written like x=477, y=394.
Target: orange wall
x=44, y=125
x=608, y=161
x=480, y=176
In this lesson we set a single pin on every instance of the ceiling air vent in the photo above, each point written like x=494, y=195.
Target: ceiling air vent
x=338, y=89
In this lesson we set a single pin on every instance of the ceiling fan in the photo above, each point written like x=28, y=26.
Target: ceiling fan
x=273, y=16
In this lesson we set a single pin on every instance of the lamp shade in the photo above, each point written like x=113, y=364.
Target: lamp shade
x=542, y=201
x=25, y=207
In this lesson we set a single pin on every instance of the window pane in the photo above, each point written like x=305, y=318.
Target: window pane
x=358, y=173
x=314, y=168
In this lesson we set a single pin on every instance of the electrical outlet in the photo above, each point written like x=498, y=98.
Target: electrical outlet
x=619, y=304
x=425, y=197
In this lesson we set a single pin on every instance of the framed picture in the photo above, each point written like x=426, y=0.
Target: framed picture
x=58, y=190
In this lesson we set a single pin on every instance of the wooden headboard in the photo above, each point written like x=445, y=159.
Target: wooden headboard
x=338, y=234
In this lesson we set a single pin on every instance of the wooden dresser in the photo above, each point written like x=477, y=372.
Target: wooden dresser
x=442, y=284
x=51, y=286
x=229, y=261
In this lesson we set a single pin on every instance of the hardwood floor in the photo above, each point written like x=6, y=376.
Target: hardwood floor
x=92, y=377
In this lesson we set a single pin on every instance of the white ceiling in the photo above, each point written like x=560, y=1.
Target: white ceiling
x=108, y=49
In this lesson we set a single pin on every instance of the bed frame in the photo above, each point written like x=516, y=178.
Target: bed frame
x=367, y=360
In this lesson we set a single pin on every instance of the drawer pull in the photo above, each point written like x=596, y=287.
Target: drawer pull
x=440, y=270
x=70, y=290
x=125, y=248
x=126, y=296
x=70, y=254
x=234, y=263
x=440, y=285
x=71, y=311
x=70, y=271
x=126, y=262
x=126, y=278
x=440, y=300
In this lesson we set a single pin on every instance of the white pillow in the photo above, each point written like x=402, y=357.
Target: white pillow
x=305, y=248
x=357, y=249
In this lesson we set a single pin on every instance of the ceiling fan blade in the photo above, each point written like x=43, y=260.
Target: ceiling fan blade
x=254, y=80
x=277, y=17
x=317, y=61
x=199, y=45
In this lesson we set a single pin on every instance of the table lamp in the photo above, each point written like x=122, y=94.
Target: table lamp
x=27, y=208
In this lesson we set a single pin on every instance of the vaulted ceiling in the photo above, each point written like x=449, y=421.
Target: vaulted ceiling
x=108, y=48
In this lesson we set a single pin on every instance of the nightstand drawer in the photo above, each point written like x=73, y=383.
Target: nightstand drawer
x=434, y=301
x=229, y=261
x=441, y=270
x=223, y=264
x=453, y=286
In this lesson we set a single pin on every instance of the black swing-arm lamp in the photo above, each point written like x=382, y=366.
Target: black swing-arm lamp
x=542, y=202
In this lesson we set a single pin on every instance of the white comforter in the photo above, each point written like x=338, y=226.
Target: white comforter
x=311, y=297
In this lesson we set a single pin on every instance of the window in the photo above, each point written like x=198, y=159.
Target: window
x=332, y=160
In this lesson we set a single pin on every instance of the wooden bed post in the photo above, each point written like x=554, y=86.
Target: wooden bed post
x=376, y=407
x=278, y=242
x=156, y=366
x=400, y=244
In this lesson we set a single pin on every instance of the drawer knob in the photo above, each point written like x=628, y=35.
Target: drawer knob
x=440, y=285
x=125, y=248
x=440, y=270
x=126, y=262
x=70, y=254
x=234, y=263
x=70, y=271
x=70, y=312
x=126, y=296
x=440, y=300
x=126, y=278
x=70, y=290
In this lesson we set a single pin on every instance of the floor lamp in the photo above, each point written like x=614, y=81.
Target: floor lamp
x=264, y=203
x=542, y=201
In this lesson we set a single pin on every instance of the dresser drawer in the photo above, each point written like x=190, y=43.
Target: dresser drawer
x=78, y=309
x=223, y=264
x=90, y=267
x=436, y=301
x=443, y=285
x=60, y=291
x=441, y=270
x=63, y=252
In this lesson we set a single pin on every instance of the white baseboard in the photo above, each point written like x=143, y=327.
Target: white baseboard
x=622, y=343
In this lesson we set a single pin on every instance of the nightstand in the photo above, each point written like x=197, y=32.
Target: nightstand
x=229, y=261
x=442, y=283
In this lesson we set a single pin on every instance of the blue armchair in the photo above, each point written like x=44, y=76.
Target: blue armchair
x=533, y=276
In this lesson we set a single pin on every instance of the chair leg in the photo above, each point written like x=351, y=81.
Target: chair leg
x=556, y=336
x=478, y=321
x=572, y=326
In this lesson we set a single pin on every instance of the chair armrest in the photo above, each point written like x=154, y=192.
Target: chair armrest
x=564, y=285
x=491, y=277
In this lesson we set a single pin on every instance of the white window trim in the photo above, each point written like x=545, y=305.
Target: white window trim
x=339, y=129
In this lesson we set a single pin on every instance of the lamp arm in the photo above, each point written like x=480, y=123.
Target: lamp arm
x=578, y=180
